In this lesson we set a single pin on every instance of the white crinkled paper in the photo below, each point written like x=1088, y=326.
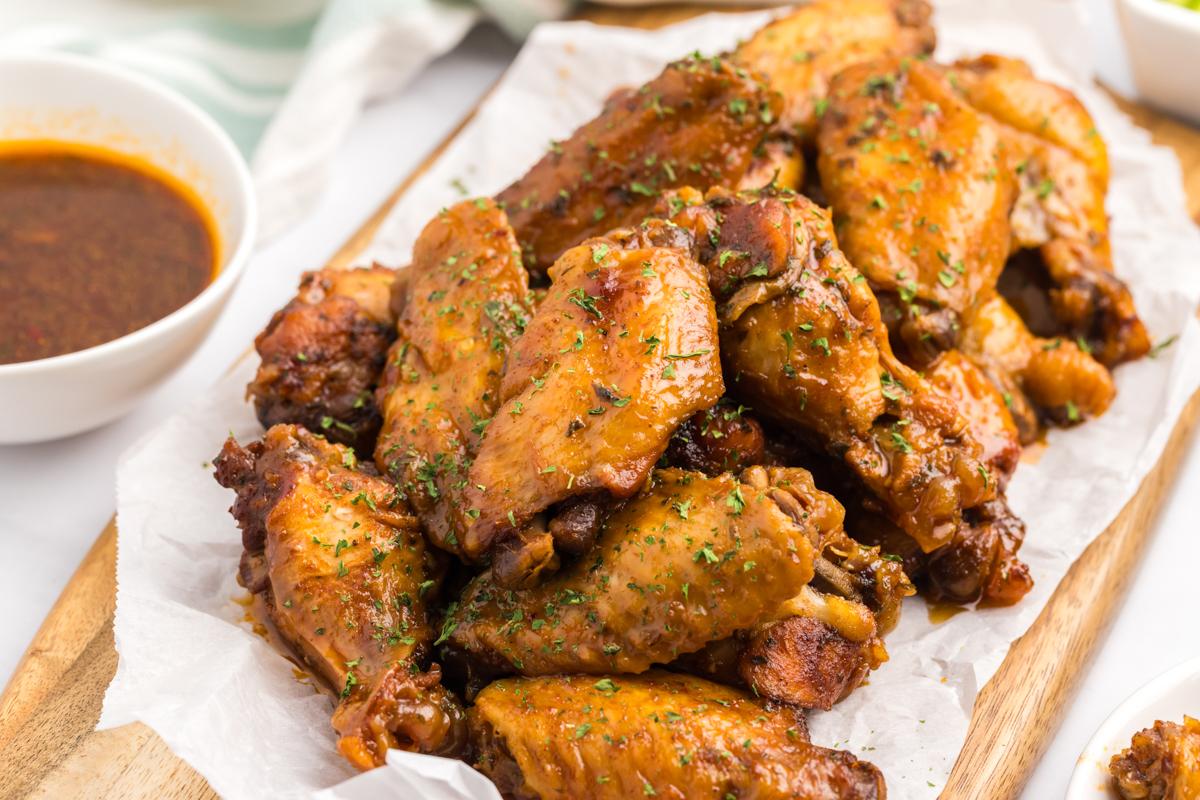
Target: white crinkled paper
x=231, y=707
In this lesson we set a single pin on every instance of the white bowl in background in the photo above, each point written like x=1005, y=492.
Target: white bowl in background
x=84, y=100
x=1168, y=697
x=1163, y=41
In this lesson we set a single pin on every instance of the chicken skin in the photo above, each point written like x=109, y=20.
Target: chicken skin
x=723, y=438
x=659, y=734
x=698, y=123
x=801, y=53
x=1058, y=377
x=1062, y=168
x=689, y=560
x=804, y=342
x=323, y=353
x=920, y=192
x=621, y=352
x=957, y=377
x=461, y=304
x=345, y=576
x=1161, y=763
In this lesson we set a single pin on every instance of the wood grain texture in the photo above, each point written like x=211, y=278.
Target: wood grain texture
x=48, y=711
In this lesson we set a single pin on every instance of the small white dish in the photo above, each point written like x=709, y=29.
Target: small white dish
x=1163, y=41
x=84, y=100
x=1168, y=697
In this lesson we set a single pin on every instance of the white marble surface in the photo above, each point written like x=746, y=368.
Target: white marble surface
x=55, y=498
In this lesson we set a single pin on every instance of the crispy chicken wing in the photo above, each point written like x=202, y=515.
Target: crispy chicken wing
x=345, y=575
x=689, y=560
x=801, y=52
x=1062, y=168
x=322, y=355
x=1161, y=763
x=921, y=193
x=622, y=350
x=697, y=123
x=804, y=345
x=656, y=734
x=462, y=304
x=1065, y=382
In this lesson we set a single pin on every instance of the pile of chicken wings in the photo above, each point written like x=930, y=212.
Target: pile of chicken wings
x=637, y=460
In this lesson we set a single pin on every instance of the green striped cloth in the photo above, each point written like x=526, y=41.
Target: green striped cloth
x=285, y=78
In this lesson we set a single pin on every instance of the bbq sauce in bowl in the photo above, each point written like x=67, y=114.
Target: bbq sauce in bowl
x=94, y=245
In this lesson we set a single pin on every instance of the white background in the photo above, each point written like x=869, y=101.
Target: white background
x=55, y=498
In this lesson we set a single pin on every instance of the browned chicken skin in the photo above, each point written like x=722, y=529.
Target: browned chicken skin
x=698, y=123
x=1065, y=382
x=688, y=561
x=661, y=734
x=345, y=575
x=801, y=53
x=622, y=350
x=921, y=194
x=957, y=377
x=461, y=305
x=723, y=438
x=1161, y=763
x=322, y=355
x=1061, y=165
x=804, y=345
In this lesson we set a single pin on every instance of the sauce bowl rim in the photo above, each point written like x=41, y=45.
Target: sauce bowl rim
x=228, y=274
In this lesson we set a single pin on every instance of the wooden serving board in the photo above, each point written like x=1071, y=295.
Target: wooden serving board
x=49, y=710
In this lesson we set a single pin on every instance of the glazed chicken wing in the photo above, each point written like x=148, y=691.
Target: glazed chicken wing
x=697, y=123
x=462, y=303
x=1161, y=763
x=957, y=377
x=921, y=194
x=656, y=734
x=345, y=576
x=1061, y=165
x=804, y=345
x=322, y=355
x=688, y=561
x=801, y=53
x=622, y=350
x=1058, y=377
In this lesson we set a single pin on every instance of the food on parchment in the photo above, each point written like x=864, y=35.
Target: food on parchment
x=660, y=430
x=348, y=581
x=1161, y=763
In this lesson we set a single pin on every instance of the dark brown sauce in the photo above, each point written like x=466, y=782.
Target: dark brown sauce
x=93, y=246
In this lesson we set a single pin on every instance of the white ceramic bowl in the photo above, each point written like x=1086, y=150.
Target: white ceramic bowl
x=1163, y=41
x=1168, y=697
x=84, y=100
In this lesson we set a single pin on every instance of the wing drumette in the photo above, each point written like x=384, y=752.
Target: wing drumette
x=345, y=576
x=322, y=355
x=462, y=303
x=697, y=123
x=656, y=734
x=622, y=350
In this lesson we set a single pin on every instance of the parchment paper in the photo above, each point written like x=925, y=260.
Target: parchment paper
x=230, y=706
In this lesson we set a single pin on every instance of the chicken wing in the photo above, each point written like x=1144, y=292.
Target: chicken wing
x=803, y=341
x=462, y=304
x=1161, y=763
x=322, y=355
x=1062, y=168
x=622, y=350
x=1064, y=381
x=698, y=123
x=800, y=53
x=688, y=561
x=654, y=734
x=345, y=575
x=921, y=192
x=957, y=377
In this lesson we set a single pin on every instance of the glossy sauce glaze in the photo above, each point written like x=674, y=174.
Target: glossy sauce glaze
x=93, y=246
